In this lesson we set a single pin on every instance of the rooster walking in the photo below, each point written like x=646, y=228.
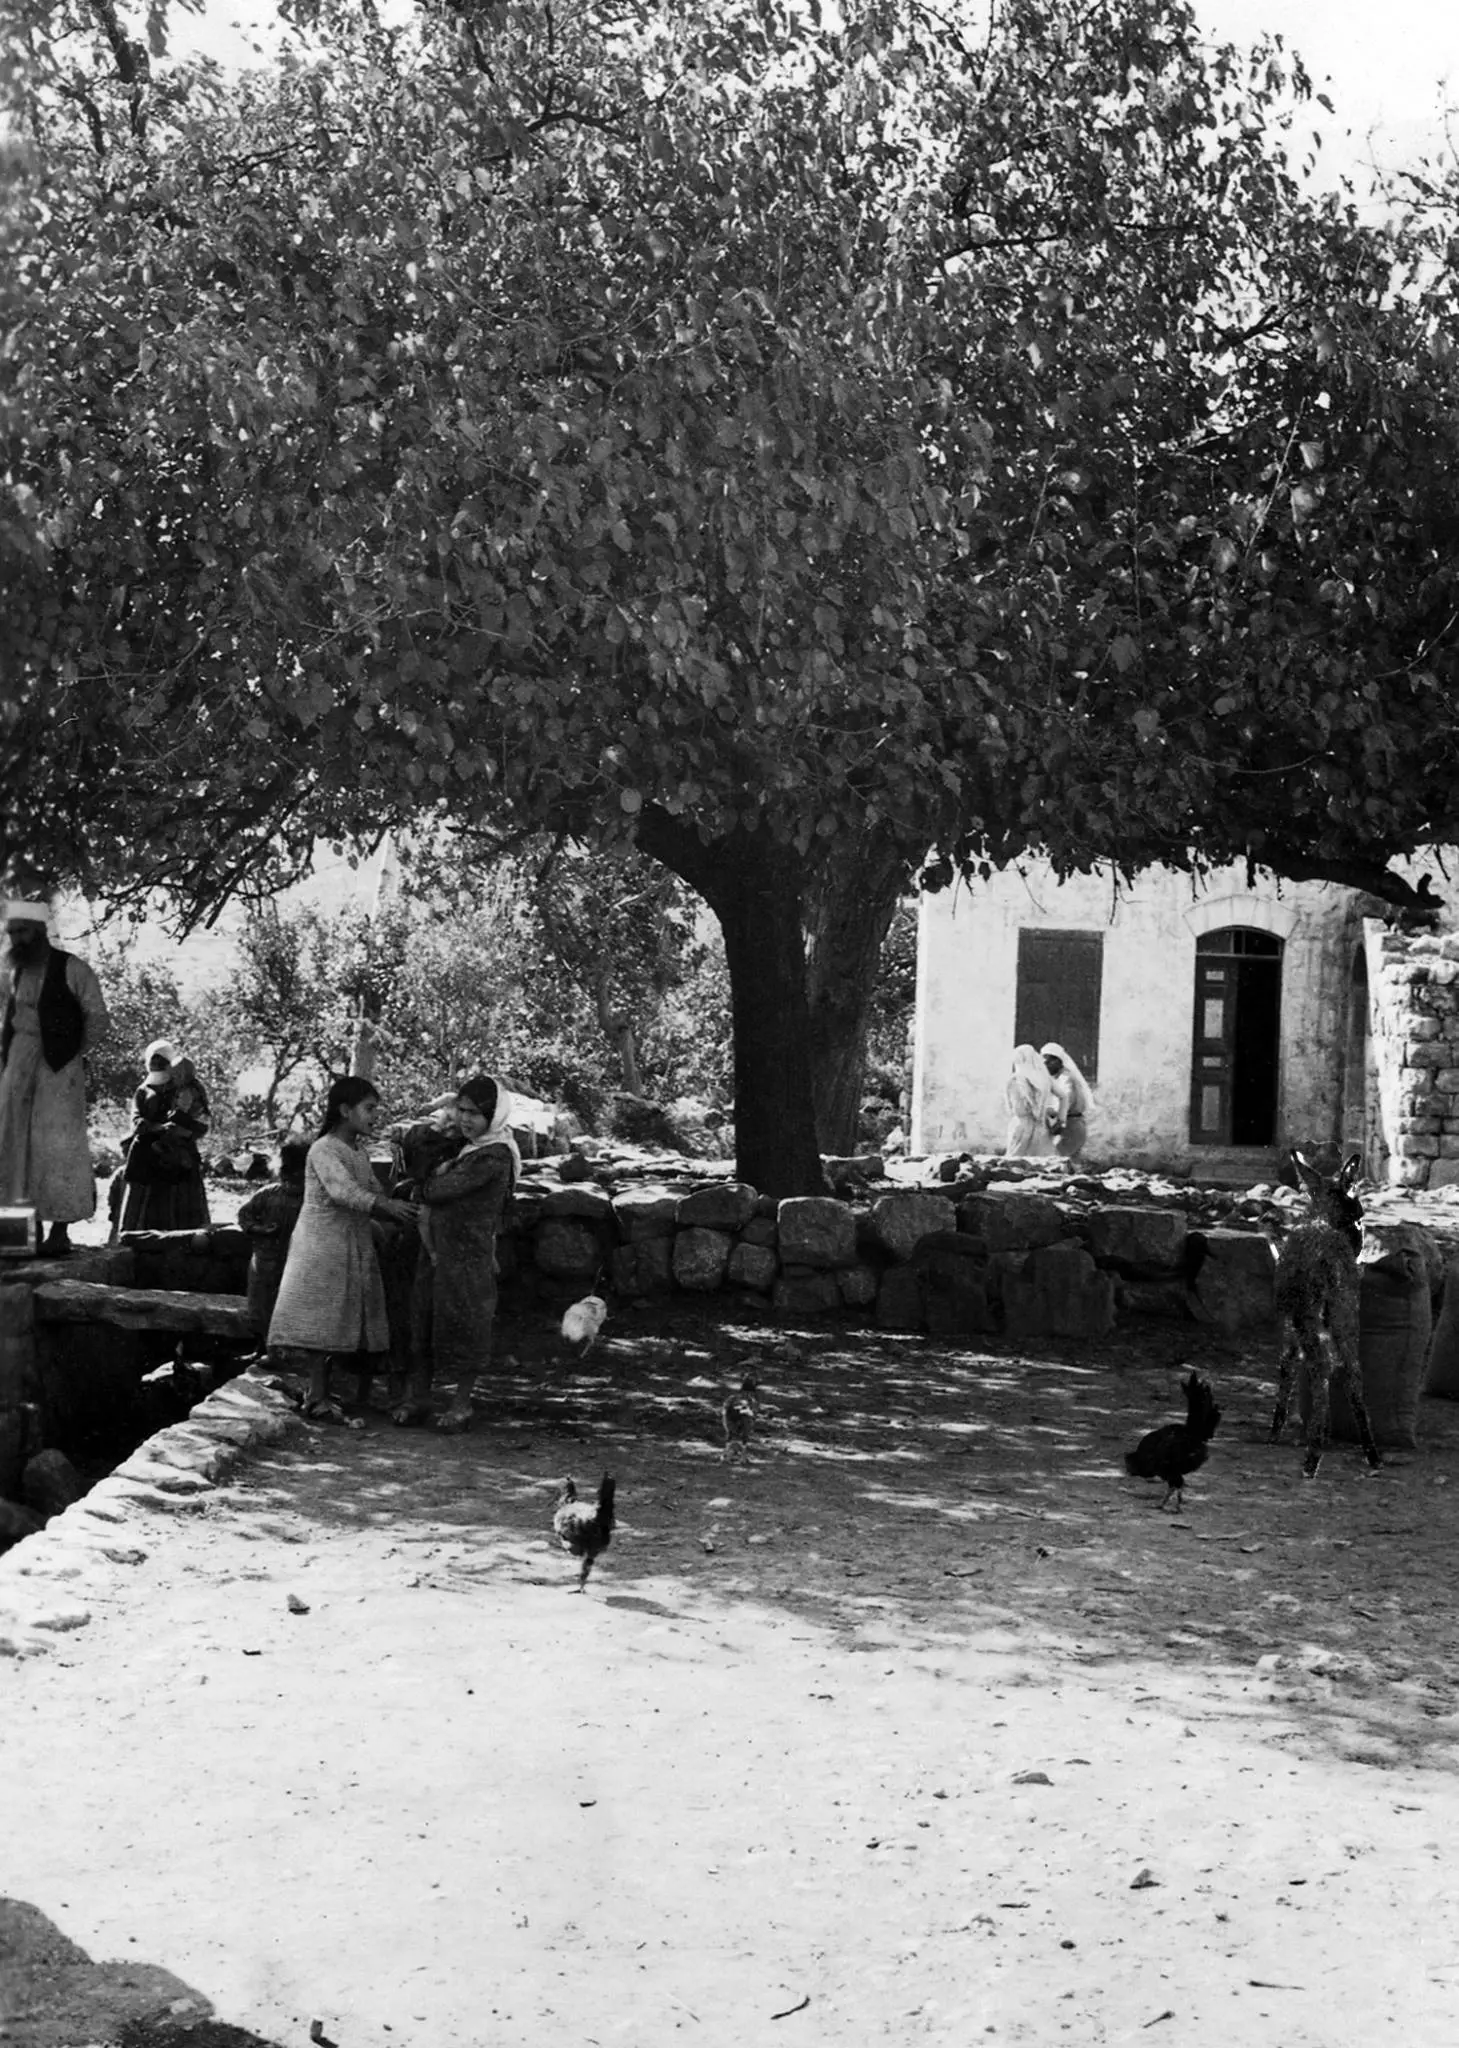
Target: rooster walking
x=585, y=1531
x=1177, y=1448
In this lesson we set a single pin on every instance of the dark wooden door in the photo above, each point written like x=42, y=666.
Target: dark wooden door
x=1213, y=1059
x=1236, y=1038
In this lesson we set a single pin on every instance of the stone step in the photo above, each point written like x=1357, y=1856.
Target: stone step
x=145, y=1308
x=110, y=1264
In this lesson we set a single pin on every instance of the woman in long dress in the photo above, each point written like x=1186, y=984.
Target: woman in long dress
x=331, y=1300
x=1071, y=1101
x=1027, y=1097
x=455, y=1282
x=162, y=1181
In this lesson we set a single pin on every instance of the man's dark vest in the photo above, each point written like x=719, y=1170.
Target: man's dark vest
x=62, y=1019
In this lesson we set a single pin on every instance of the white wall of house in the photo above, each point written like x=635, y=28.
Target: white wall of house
x=967, y=993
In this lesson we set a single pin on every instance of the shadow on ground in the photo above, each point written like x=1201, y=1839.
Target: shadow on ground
x=52, y=1995
x=903, y=1488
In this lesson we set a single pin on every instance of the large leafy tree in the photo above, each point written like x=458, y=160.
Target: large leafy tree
x=778, y=446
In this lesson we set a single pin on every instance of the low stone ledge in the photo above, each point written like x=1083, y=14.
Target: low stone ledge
x=1011, y=1222
x=145, y=1308
x=108, y=1265
x=1235, y=1281
x=172, y=1472
x=1141, y=1244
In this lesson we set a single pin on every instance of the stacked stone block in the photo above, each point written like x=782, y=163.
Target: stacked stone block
x=1415, y=1001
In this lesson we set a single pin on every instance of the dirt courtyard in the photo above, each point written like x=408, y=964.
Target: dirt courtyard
x=922, y=1724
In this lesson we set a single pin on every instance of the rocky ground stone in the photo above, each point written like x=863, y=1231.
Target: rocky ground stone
x=50, y=1483
x=728, y=1206
x=752, y=1265
x=900, y=1221
x=701, y=1258
x=816, y=1230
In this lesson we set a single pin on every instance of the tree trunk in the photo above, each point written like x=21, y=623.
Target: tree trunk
x=849, y=907
x=362, y=1049
x=619, y=1032
x=753, y=885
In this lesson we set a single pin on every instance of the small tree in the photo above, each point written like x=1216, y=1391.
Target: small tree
x=143, y=1002
x=284, y=1007
x=620, y=928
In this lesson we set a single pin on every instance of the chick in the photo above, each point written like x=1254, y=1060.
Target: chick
x=582, y=1324
x=585, y=1531
x=739, y=1415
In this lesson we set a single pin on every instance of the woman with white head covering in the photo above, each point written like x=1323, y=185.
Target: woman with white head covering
x=454, y=1305
x=162, y=1181
x=1027, y=1096
x=1071, y=1101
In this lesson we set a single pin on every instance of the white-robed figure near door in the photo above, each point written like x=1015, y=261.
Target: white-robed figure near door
x=52, y=1013
x=1028, y=1094
x=1071, y=1101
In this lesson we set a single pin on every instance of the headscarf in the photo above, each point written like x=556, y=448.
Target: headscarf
x=20, y=910
x=480, y=1090
x=1081, y=1095
x=159, y=1049
x=1027, y=1093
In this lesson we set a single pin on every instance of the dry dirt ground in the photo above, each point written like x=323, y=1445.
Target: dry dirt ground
x=922, y=1724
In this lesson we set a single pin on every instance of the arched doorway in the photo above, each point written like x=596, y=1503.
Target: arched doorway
x=1236, y=1043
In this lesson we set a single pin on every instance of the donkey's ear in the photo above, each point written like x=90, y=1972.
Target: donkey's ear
x=1352, y=1170
x=1307, y=1174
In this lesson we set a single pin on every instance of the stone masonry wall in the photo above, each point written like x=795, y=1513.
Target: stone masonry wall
x=1414, y=980
x=952, y=1261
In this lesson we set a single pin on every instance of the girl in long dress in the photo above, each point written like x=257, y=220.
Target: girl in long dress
x=1027, y=1097
x=1071, y=1101
x=268, y=1219
x=331, y=1300
x=455, y=1281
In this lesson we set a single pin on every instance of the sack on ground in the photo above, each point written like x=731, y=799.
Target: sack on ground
x=1396, y=1321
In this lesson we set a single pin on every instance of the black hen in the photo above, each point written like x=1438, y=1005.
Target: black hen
x=584, y=1531
x=1177, y=1448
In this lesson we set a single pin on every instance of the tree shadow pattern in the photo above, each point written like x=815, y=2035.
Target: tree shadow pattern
x=904, y=1490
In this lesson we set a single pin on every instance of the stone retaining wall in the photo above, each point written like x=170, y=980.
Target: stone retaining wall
x=951, y=1261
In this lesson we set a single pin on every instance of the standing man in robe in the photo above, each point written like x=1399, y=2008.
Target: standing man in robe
x=51, y=1013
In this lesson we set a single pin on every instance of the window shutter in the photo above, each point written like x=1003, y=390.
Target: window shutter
x=1060, y=981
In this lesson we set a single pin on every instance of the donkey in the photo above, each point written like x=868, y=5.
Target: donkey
x=1317, y=1302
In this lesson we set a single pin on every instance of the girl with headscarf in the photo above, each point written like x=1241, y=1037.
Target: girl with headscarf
x=1027, y=1096
x=454, y=1304
x=1071, y=1101
x=331, y=1301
